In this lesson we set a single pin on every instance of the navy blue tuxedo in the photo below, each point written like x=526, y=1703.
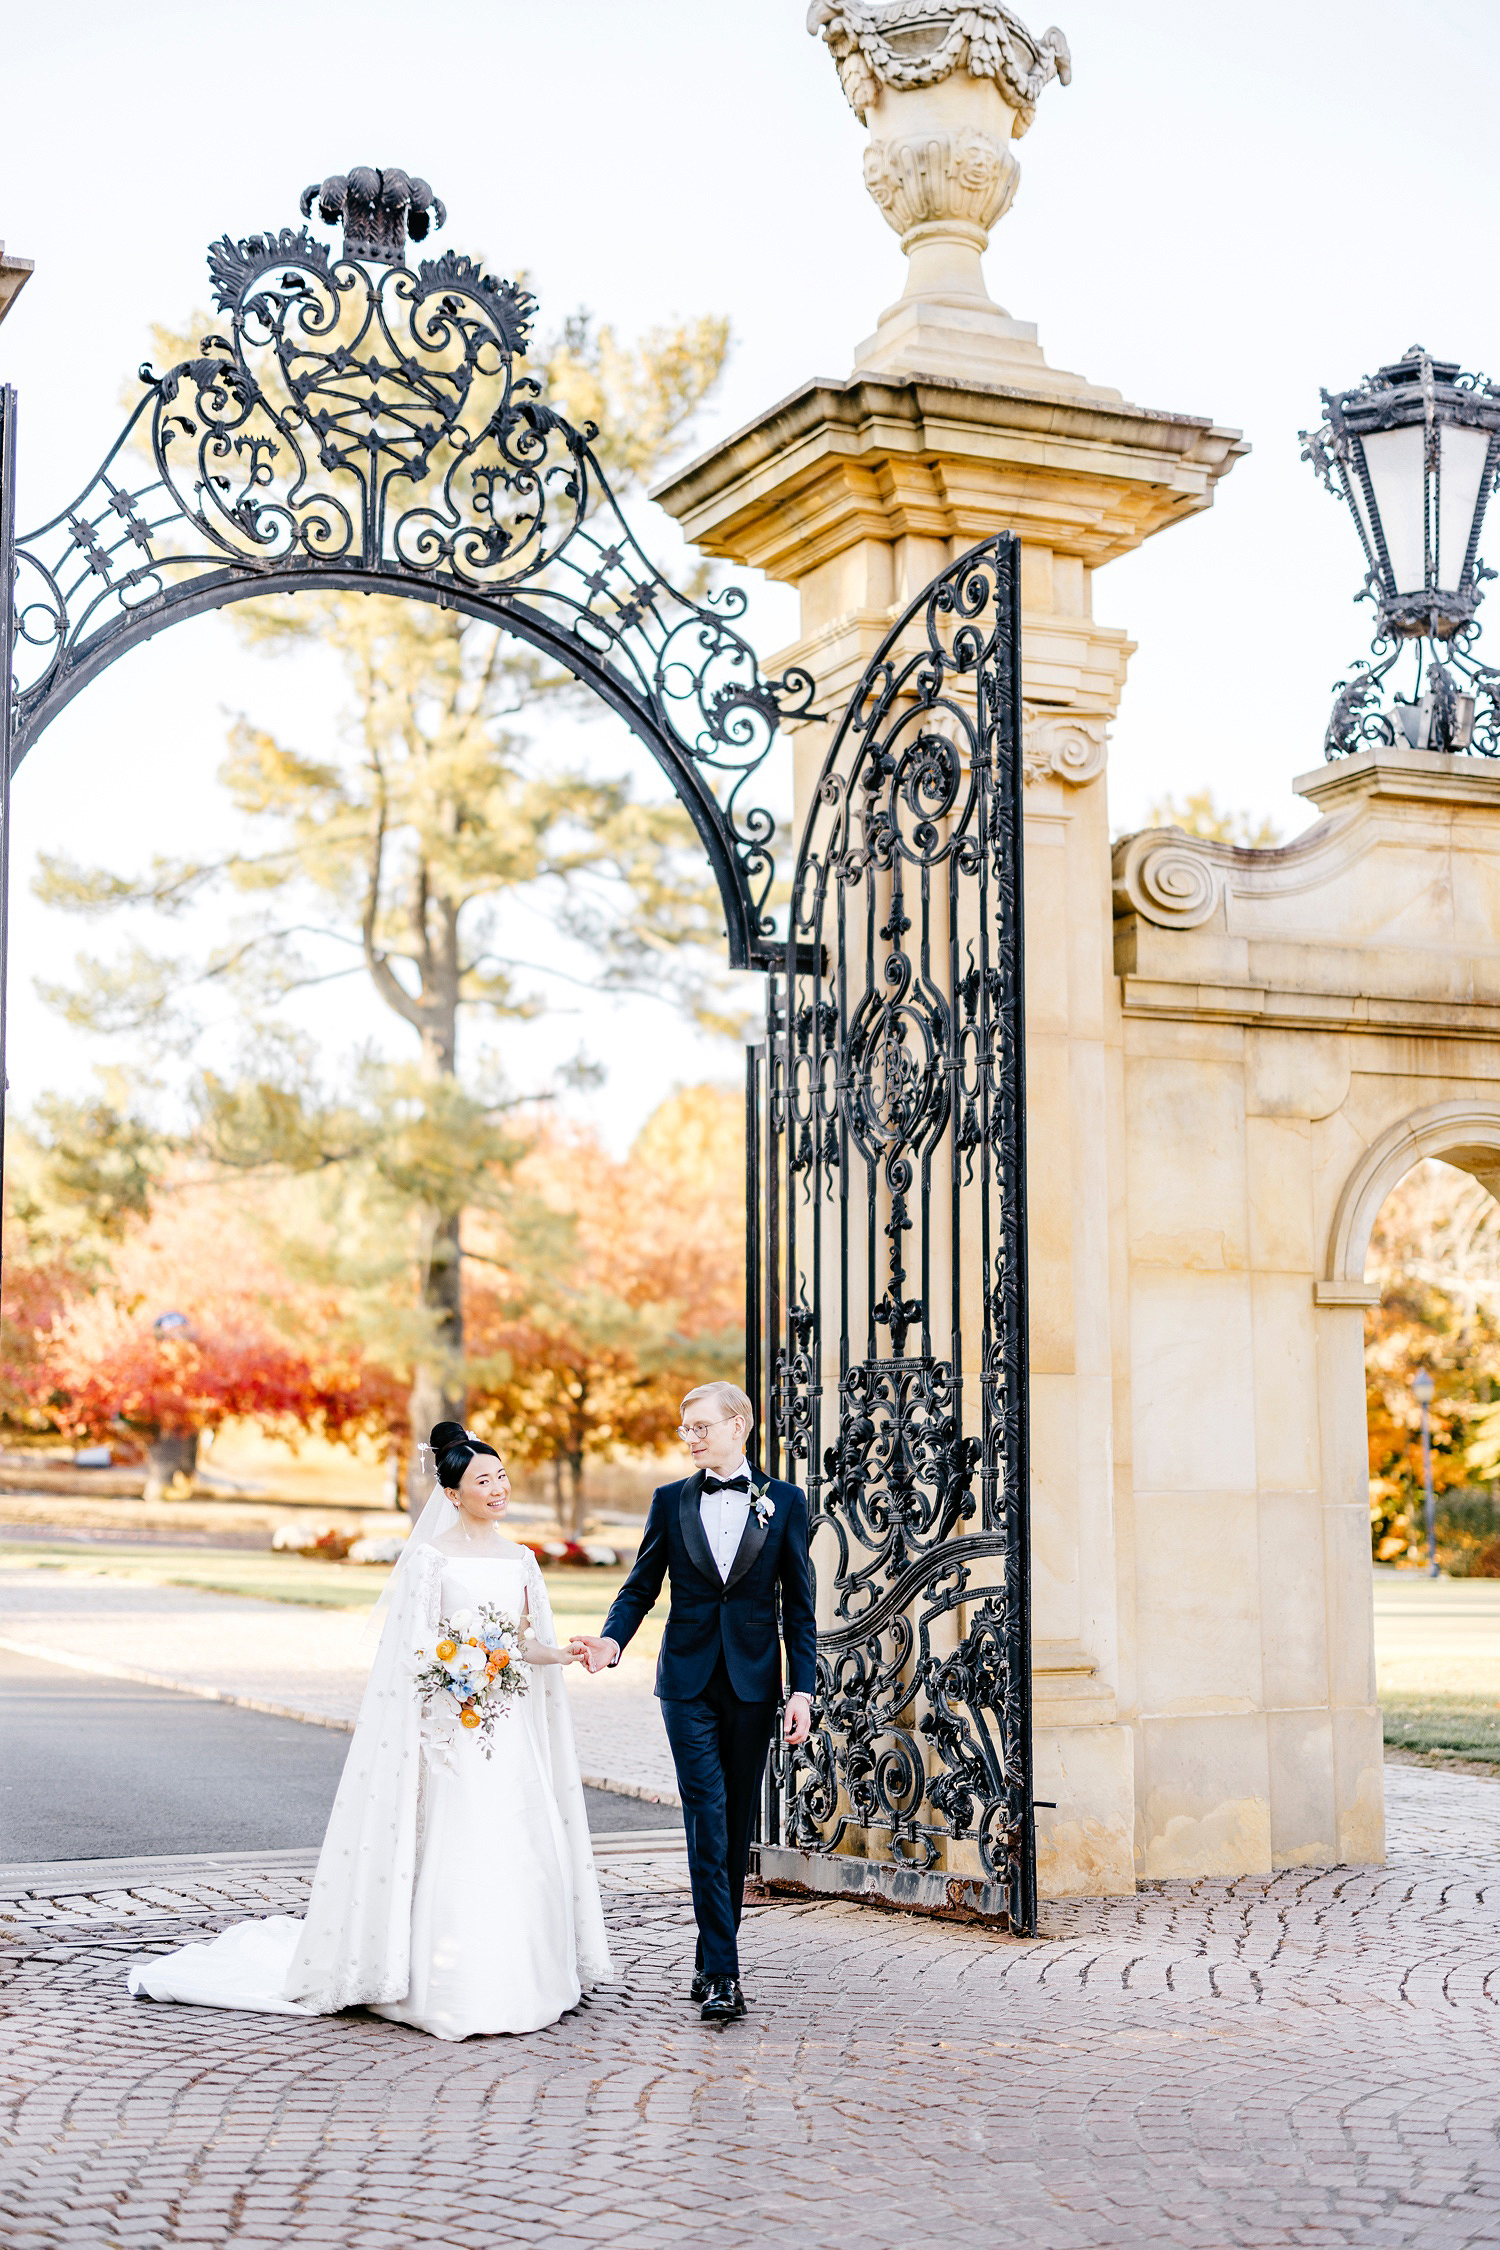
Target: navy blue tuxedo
x=719, y=1677
x=734, y=1617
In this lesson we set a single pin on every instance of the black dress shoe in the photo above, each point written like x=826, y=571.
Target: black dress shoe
x=723, y=2001
x=698, y=1989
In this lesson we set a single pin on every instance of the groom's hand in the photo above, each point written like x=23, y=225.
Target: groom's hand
x=797, y=1725
x=595, y=1650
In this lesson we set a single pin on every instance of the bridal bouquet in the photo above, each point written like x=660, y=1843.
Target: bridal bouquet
x=475, y=1671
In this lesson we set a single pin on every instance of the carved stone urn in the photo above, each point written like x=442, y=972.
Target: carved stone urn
x=944, y=87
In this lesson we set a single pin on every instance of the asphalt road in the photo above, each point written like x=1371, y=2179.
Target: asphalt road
x=108, y=1769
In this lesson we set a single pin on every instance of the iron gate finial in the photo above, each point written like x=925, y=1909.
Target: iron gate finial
x=379, y=209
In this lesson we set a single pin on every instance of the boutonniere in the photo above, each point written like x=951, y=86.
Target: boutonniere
x=763, y=1504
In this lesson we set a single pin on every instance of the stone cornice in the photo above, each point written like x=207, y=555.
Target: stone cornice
x=14, y=274
x=1434, y=777
x=1182, y=882
x=1268, y=1007
x=867, y=458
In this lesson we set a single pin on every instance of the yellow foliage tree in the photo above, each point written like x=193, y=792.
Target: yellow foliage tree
x=1435, y=1252
x=635, y=1295
x=1199, y=814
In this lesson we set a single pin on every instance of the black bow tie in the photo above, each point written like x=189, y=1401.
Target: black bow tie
x=726, y=1484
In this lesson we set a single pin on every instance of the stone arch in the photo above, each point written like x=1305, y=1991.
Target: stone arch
x=1465, y=1134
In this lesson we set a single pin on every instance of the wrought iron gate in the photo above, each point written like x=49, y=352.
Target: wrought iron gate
x=892, y=1207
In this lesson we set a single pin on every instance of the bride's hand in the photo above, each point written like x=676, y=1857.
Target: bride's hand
x=542, y=1652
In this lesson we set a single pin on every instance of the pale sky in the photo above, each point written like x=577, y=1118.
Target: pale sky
x=1227, y=209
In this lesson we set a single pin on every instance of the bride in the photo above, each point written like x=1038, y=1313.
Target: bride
x=455, y=1890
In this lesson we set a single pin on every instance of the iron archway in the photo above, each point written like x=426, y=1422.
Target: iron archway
x=362, y=422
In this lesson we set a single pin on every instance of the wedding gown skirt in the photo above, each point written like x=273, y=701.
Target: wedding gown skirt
x=492, y=1945
x=493, y=1908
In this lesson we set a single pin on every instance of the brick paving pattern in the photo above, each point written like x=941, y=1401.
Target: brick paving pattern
x=1304, y=2059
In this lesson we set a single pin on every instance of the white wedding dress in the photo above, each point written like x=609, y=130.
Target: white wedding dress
x=453, y=1892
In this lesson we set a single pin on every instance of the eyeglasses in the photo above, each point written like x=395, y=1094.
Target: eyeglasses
x=687, y=1431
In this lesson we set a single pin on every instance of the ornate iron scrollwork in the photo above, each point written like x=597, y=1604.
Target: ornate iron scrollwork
x=358, y=421
x=895, y=1131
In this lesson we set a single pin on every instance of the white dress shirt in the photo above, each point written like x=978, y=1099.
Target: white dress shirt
x=723, y=1516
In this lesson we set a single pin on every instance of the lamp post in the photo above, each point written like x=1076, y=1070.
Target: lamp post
x=1414, y=451
x=1422, y=1389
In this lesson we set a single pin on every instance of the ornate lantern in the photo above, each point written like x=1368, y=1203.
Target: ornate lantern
x=1414, y=451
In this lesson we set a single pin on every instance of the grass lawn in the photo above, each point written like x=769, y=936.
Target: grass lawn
x=1456, y=1726
x=579, y=1597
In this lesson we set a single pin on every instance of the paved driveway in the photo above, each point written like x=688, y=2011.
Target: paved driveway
x=301, y=1663
x=96, y=1768
x=1436, y=1636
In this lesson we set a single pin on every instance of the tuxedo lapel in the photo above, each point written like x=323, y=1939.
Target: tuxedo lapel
x=752, y=1539
x=695, y=1538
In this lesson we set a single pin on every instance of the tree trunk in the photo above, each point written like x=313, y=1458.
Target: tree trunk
x=171, y=1465
x=577, y=1502
x=438, y=1392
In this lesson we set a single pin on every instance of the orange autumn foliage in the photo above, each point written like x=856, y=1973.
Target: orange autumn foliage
x=636, y=1294
x=1435, y=1251
x=254, y=1345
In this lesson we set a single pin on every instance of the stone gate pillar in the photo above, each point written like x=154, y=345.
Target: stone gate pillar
x=857, y=490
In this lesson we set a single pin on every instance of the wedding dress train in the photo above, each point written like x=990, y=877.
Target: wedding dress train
x=453, y=1892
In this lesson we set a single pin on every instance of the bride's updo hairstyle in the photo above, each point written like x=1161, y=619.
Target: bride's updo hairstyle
x=452, y=1450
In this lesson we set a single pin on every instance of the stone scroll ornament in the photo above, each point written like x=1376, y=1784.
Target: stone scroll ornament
x=929, y=177
x=1170, y=878
x=1063, y=746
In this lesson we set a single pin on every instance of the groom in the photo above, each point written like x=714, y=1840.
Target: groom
x=732, y=1541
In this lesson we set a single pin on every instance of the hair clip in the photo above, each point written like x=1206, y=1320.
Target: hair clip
x=426, y=1458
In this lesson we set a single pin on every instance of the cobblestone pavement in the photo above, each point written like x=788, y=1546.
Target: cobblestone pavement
x=1304, y=2059
x=301, y=1663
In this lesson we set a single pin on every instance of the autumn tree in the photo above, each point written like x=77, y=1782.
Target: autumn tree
x=192, y=1322
x=637, y=1295
x=1435, y=1251
x=1199, y=814
x=415, y=855
x=77, y=1174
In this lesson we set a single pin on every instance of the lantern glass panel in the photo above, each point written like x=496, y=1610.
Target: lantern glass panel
x=1356, y=491
x=1394, y=459
x=1464, y=453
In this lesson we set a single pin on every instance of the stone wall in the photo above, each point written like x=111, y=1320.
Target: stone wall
x=1300, y=1027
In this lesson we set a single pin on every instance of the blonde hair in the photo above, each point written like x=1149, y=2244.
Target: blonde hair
x=728, y=1398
